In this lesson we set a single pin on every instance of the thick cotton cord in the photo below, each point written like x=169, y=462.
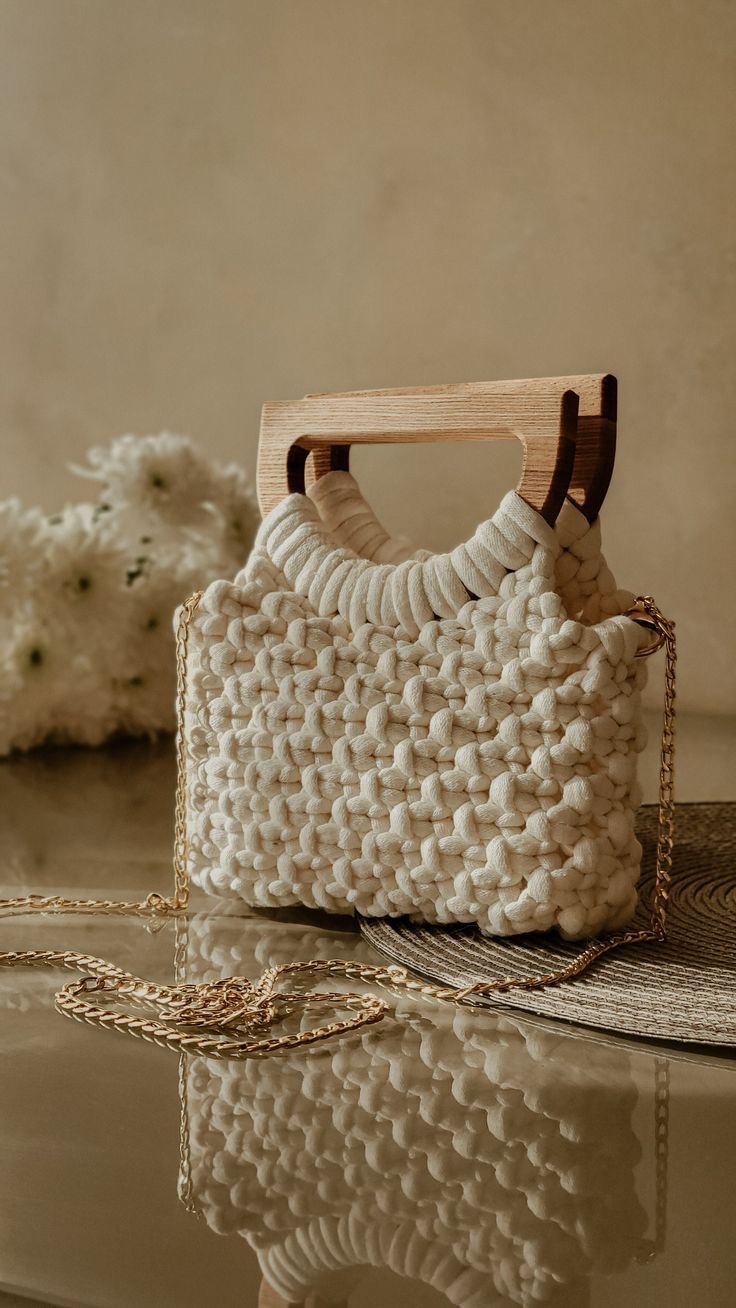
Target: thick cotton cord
x=237, y=1012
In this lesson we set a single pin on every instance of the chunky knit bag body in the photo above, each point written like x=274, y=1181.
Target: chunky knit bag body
x=452, y=737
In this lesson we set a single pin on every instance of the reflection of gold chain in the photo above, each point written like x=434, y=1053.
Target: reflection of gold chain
x=655, y=1244
x=661, y=1147
x=246, y=1010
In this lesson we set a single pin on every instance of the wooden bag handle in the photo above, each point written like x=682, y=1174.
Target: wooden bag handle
x=542, y=415
x=595, y=447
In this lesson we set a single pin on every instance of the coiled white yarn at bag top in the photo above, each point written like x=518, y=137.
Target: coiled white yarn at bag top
x=363, y=735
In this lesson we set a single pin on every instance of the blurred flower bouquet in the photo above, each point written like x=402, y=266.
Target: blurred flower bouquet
x=87, y=596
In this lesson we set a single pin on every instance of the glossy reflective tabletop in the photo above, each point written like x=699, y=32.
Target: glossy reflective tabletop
x=444, y=1157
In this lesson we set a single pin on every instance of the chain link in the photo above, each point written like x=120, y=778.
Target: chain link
x=653, y=1245
x=155, y=902
x=645, y=612
x=181, y=843
x=249, y=1009
x=666, y=815
x=239, y=1012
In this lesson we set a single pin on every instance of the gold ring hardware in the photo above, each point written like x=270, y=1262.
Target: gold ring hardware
x=641, y=613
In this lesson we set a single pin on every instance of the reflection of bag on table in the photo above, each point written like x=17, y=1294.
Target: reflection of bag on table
x=459, y=1148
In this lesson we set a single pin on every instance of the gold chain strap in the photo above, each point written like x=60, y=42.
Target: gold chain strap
x=186, y=1012
x=153, y=903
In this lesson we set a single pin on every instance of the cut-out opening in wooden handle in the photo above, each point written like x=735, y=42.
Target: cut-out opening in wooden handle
x=595, y=447
x=543, y=418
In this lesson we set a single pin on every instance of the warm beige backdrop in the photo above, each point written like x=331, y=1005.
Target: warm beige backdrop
x=207, y=204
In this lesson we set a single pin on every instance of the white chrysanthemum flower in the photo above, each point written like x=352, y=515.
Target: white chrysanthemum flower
x=234, y=499
x=162, y=475
x=155, y=598
x=86, y=570
x=34, y=680
x=145, y=703
x=12, y=691
x=149, y=639
x=88, y=595
x=145, y=693
x=52, y=690
x=90, y=712
x=23, y=545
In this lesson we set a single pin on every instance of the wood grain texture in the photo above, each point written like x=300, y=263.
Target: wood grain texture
x=543, y=417
x=595, y=450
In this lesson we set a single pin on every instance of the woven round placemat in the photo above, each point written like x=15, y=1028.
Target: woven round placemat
x=683, y=989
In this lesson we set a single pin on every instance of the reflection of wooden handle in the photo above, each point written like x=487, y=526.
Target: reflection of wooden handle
x=595, y=448
x=543, y=417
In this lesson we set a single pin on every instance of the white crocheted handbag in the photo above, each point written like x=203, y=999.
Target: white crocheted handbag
x=452, y=737
x=363, y=726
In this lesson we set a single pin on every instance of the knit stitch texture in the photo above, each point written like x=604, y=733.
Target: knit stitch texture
x=486, y=1157
x=447, y=736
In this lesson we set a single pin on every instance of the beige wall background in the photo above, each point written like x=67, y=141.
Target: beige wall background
x=208, y=204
